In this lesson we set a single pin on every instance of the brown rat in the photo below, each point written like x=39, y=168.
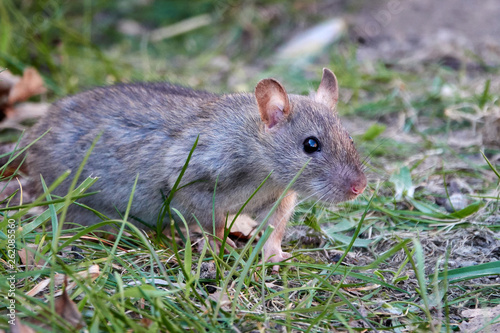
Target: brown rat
x=149, y=129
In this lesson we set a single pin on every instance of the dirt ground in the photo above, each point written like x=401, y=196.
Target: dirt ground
x=423, y=30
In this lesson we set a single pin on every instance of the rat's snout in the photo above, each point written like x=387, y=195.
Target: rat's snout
x=358, y=185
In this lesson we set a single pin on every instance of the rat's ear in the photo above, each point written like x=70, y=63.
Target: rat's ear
x=328, y=91
x=273, y=102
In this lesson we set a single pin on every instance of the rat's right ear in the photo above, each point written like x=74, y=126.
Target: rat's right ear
x=328, y=91
x=273, y=102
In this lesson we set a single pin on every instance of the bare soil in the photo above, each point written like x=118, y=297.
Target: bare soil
x=450, y=31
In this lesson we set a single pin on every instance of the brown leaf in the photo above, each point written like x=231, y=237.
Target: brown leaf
x=64, y=307
x=28, y=257
x=31, y=84
x=68, y=310
x=14, y=89
x=146, y=322
x=92, y=272
x=16, y=114
x=244, y=226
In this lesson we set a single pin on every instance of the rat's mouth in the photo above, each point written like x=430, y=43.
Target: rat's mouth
x=342, y=192
x=353, y=196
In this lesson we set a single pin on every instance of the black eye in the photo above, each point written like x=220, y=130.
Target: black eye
x=350, y=138
x=311, y=145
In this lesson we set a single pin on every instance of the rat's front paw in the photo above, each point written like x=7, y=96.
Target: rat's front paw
x=277, y=256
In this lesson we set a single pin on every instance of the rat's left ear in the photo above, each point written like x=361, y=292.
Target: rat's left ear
x=328, y=91
x=272, y=99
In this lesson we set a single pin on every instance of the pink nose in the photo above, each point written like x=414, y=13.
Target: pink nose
x=357, y=189
x=358, y=186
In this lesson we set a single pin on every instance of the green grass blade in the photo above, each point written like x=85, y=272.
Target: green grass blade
x=257, y=249
x=469, y=210
x=168, y=200
x=354, y=236
x=257, y=231
x=188, y=255
x=57, y=207
x=471, y=272
x=491, y=165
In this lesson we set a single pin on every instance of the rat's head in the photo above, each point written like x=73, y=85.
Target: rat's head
x=300, y=128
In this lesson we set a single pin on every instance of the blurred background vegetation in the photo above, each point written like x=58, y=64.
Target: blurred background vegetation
x=77, y=44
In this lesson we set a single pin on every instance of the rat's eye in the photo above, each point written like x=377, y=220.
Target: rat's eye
x=311, y=145
x=350, y=138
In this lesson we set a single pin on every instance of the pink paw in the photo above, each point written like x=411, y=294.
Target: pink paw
x=277, y=257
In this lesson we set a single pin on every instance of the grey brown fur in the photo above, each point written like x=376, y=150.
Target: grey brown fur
x=149, y=129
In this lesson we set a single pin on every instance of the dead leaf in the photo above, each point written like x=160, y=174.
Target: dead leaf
x=146, y=322
x=479, y=319
x=244, y=226
x=92, y=273
x=68, y=310
x=365, y=288
x=99, y=240
x=64, y=307
x=31, y=84
x=22, y=112
x=27, y=257
x=15, y=89
x=273, y=286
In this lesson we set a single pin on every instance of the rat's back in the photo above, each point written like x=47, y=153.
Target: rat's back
x=136, y=122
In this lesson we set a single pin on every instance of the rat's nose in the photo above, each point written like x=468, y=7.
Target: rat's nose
x=357, y=190
x=358, y=186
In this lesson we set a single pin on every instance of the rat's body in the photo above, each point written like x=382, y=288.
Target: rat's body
x=149, y=129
